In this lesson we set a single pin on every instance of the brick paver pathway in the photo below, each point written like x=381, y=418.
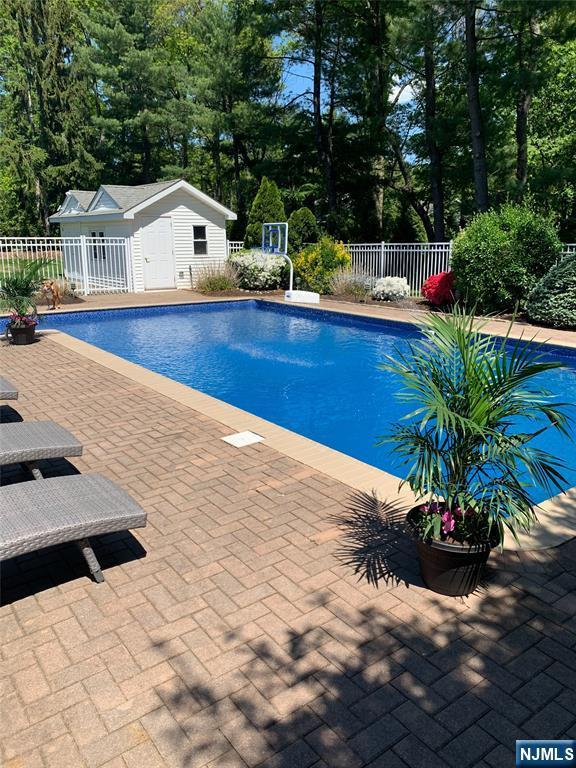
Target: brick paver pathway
x=230, y=633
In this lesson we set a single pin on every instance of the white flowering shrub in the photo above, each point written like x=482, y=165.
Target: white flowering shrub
x=257, y=271
x=391, y=289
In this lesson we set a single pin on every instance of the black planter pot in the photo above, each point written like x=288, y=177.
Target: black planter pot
x=24, y=335
x=450, y=569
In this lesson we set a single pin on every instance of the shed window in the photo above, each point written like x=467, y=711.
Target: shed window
x=200, y=242
x=98, y=249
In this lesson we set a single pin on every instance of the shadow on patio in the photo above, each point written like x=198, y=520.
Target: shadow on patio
x=409, y=678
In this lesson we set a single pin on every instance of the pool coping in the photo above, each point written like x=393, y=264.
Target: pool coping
x=554, y=525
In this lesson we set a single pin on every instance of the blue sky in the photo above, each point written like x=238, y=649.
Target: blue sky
x=298, y=79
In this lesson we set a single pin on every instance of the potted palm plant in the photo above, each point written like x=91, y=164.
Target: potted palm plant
x=468, y=444
x=17, y=294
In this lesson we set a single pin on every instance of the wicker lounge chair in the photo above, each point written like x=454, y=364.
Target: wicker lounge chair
x=7, y=390
x=30, y=442
x=41, y=513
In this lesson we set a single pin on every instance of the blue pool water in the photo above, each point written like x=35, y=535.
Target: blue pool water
x=310, y=371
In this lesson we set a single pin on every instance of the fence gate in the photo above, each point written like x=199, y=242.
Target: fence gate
x=83, y=265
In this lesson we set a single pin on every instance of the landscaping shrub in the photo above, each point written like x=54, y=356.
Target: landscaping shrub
x=498, y=259
x=267, y=206
x=553, y=300
x=302, y=229
x=346, y=282
x=316, y=264
x=257, y=271
x=439, y=289
x=391, y=289
x=216, y=278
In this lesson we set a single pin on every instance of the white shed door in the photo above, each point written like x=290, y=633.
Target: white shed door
x=158, y=253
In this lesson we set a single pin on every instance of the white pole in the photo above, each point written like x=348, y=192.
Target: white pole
x=291, y=282
x=128, y=265
x=84, y=263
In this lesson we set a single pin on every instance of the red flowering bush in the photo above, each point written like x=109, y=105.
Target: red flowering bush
x=438, y=289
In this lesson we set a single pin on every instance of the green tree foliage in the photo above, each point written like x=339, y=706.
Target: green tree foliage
x=136, y=89
x=500, y=257
x=553, y=300
x=359, y=110
x=302, y=229
x=552, y=149
x=267, y=206
x=47, y=143
x=225, y=53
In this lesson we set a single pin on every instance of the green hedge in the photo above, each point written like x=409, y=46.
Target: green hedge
x=553, y=301
x=498, y=259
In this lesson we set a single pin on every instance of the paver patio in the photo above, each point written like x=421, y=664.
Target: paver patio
x=229, y=632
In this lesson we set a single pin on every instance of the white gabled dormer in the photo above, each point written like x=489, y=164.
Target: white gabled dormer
x=103, y=201
x=71, y=204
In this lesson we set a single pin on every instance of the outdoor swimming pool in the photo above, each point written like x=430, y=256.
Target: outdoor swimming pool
x=310, y=371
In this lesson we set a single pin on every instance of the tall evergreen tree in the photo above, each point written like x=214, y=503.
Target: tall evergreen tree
x=135, y=88
x=267, y=206
x=477, y=128
x=233, y=80
x=46, y=140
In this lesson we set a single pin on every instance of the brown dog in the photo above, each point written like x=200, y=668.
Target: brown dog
x=51, y=291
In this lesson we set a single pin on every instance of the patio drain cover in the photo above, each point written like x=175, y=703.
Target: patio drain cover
x=241, y=439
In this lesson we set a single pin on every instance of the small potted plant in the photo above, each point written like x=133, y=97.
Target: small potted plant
x=468, y=443
x=17, y=294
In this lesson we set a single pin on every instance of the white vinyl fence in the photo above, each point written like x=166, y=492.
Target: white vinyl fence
x=234, y=246
x=103, y=264
x=414, y=261
x=82, y=264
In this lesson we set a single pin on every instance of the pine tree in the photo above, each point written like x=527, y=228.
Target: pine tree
x=137, y=88
x=266, y=206
x=46, y=141
x=302, y=229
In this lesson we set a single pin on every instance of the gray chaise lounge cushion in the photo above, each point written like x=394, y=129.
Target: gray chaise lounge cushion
x=7, y=390
x=40, y=513
x=34, y=441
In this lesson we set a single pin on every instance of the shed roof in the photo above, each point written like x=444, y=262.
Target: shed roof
x=130, y=200
x=127, y=197
x=83, y=196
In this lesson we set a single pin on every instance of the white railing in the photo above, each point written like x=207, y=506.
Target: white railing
x=414, y=261
x=234, y=246
x=366, y=258
x=83, y=265
x=103, y=264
